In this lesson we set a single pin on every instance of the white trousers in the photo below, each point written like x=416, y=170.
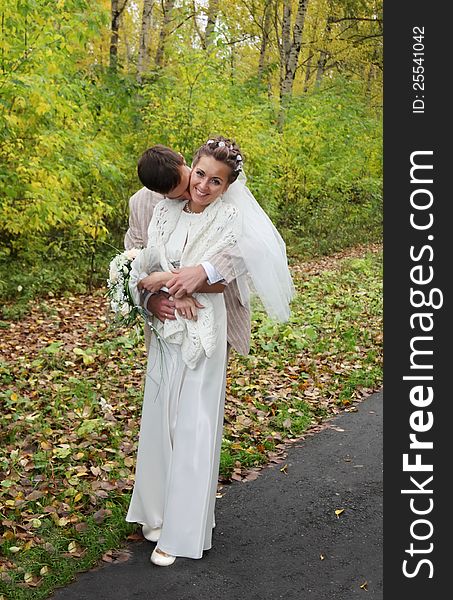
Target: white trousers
x=179, y=445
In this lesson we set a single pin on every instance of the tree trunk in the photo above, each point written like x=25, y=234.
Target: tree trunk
x=145, y=35
x=168, y=10
x=320, y=69
x=118, y=7
x=323, y=56
x=371, y=75
x=308, y=73
x=265, y=38
x=197, y=33
x=232, y=62
x=289, y=54
x=311, y=53
x=128, y=47
x=213, y=9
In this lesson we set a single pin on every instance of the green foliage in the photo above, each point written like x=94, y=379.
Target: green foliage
x=71, y=132
x=64, y=127
x=327, y=177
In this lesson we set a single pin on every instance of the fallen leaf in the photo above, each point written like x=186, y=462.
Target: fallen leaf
x=119, y=556
x=36, y=523
x=339, y=511
x=107, y=557
x=101, y=514
x=251, y=476
x=35, y=495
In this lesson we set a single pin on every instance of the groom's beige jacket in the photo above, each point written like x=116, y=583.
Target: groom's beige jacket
x=141, y=207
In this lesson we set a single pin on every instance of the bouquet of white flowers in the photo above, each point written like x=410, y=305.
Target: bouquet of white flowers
x=121, y=301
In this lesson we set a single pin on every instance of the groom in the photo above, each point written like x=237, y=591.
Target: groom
x=164, y=173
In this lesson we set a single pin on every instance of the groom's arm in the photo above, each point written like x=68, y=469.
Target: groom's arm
x=229, y=264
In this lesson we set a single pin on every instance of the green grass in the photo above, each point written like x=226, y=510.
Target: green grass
x=59, y=558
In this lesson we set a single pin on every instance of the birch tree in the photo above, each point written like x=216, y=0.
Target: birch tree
x=168, y=6
x=323, y=53
x=213, y=9
x=145, y=39
x=117, y=8
x=290, y=42
x=265, y=38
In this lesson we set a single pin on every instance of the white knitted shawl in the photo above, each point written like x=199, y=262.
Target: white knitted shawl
x=218, y=231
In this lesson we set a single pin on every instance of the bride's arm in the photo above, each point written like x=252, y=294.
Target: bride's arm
x=145, y=262
x=155, y=281
x=159, y=279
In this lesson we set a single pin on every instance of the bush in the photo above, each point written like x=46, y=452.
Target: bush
x=66, y=192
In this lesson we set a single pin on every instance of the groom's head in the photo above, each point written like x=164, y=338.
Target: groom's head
x=162, y=170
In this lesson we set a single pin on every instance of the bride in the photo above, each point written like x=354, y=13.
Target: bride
x=182, y=419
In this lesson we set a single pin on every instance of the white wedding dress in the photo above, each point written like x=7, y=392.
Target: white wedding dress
x=181, y=430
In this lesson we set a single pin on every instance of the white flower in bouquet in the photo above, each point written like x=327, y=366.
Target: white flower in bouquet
x=132, y=253
x=125, y=309
x=122, y=304
x=113, y=273
x=121, y=301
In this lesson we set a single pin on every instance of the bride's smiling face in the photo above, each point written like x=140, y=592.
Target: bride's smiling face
x=209, y=179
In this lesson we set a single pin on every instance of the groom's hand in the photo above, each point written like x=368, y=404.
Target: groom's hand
x=161, y=306
x=186, y=281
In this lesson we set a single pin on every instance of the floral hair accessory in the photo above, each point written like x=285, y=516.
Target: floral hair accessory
x=230, y=147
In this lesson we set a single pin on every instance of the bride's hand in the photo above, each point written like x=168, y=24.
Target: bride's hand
x=187, y=307
x=155, y=281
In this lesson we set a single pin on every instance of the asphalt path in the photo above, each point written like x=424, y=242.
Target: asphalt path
x=282, y=535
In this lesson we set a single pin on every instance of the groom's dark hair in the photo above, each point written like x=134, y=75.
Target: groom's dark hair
x=159, y=169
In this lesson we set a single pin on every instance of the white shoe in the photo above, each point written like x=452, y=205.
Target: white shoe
x=162, y=559
x=151, y=533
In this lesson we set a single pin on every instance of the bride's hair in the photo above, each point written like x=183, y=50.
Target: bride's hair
x=223, y=150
